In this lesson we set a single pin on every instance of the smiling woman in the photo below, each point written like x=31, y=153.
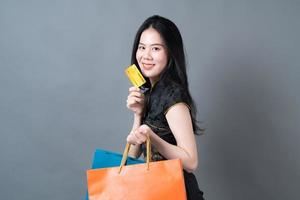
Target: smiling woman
x=166, y=112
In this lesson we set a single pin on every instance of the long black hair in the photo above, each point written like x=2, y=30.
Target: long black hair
x=176, y=69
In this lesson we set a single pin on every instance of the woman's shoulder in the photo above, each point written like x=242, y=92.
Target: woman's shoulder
x=170, y=86
x=171, y=94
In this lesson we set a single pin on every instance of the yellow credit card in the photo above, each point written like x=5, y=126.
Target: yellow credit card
x=135, y=76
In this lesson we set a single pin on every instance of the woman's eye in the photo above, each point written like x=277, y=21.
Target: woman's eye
x=141, y=47
x=155, y=48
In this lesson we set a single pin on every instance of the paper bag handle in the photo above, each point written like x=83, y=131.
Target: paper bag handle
x=126, y=150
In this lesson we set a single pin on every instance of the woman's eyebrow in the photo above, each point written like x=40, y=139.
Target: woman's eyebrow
x=155, y=44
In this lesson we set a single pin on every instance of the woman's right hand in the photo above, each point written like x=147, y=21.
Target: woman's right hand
x=135, y=100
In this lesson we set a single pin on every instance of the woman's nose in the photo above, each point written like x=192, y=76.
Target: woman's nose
x=147, y=54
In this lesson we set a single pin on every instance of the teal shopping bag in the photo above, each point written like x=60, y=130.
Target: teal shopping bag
x=105, y=159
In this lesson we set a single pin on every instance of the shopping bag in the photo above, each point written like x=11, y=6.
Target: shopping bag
x=103, y=159
x=149, y=181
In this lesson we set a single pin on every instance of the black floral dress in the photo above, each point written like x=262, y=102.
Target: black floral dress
x=158, y=100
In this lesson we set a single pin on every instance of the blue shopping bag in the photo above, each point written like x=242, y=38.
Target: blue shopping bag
x=105, y=159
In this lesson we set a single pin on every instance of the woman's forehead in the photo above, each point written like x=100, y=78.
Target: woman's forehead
x=151, y=36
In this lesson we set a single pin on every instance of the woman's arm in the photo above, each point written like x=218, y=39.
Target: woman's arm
x=179, y=120
x=135, y=103
x=135, y=149
x=180, y=123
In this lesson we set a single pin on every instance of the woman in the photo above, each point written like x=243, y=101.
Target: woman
x=166, y=112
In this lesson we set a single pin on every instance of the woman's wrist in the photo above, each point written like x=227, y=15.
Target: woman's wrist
x=137, y=116
x=137, y=120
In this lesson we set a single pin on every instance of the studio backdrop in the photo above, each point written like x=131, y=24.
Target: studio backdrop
x=63, y=92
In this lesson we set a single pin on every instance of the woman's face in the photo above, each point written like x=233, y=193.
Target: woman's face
x=151, y=54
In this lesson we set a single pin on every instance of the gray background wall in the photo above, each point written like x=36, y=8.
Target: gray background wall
x=63, y=92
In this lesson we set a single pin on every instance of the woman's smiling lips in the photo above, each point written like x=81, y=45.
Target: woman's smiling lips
x=147, y=65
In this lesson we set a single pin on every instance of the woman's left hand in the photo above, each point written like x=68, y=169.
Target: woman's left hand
x=139, y=135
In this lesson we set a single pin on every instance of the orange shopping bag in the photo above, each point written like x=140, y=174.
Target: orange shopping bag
x=150, y=181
